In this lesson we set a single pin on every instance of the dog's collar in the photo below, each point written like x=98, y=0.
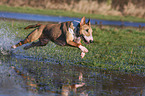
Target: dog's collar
x=76, y=25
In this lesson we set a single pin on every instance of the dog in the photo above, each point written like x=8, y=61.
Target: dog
x=67, y=33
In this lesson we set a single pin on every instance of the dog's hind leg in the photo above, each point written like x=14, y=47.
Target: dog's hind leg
x=21, y=43
x=34, y=35
x=41, y=42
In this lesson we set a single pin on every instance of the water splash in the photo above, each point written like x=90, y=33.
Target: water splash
x=6, y=39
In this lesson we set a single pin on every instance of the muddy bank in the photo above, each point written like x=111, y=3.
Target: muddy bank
x=104, y=7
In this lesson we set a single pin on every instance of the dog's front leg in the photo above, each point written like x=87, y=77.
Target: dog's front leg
x=83, y=49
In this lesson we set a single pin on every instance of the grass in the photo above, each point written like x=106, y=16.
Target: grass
x=113, y=49
x=68, y=13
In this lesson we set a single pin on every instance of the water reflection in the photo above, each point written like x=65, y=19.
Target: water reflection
x=65, y=89
x=35, y=78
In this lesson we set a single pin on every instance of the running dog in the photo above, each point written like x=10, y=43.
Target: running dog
x=64, y=34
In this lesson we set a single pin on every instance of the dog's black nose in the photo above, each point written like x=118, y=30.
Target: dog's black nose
x=91, y=41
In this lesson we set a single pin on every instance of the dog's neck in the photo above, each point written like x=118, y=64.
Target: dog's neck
x=74, y=30
x=76, y=25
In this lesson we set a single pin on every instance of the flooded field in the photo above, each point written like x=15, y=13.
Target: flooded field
x=39, y=73
x=22, y=77
x=44, y=18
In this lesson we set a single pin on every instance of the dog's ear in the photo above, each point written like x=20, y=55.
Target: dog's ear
x=89, y=23
x=83, y=21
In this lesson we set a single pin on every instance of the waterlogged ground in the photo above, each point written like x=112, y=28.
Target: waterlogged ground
x=30, y=78
x=53, y=70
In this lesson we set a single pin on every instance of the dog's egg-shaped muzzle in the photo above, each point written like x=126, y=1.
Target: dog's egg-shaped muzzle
x=87, y=36
x=88, y=39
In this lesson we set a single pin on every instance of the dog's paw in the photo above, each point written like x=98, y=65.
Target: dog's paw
x=82, y=55
x=14, y=46
x=84, y=49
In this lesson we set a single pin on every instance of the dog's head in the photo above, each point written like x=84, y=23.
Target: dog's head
x=85, y=31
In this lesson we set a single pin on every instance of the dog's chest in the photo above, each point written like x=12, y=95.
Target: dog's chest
x=72, y=33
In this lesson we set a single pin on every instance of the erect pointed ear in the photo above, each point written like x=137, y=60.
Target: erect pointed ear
x=89, y=22
x=83, y=21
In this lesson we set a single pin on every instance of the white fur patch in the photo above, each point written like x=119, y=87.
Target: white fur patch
x=88, y=38
x=71, y=32
x=14, y=46
x=82, y=55
x=84, y=49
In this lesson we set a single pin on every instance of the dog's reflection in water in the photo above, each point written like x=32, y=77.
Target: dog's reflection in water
x=65, y=90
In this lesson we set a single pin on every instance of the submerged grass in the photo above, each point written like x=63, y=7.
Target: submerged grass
x=113, y=49
x=68, y=13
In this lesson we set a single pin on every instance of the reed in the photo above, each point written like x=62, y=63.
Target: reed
x=68, y=13
x=103, y=7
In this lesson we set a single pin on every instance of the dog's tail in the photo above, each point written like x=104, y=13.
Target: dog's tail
x=32, y=26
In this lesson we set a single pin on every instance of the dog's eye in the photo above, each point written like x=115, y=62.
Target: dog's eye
x=87, y=30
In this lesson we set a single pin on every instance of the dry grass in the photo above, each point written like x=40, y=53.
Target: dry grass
x=133, y=10
x=108, y=7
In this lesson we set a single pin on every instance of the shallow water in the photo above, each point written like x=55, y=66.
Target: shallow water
x=35, y=17
x=22, y=77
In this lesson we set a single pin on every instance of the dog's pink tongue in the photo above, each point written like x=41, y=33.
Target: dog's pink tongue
x=82, y=55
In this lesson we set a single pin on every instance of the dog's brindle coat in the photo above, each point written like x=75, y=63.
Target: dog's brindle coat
x=64, y=34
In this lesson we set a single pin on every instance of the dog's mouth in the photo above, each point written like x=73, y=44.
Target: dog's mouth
x=85, y=40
